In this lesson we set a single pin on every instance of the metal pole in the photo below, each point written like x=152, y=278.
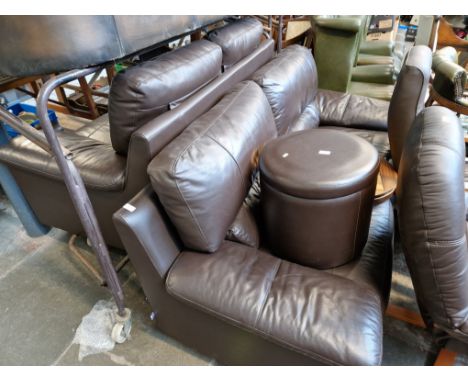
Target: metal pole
x=28, y=218
x=75, y=185
x=280, y=33
x=27, y=130
x=270, y=25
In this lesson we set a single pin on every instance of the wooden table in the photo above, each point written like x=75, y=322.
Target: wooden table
x=386, y=182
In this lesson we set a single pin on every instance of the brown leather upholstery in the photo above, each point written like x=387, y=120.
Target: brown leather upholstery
x=432, y=220
x=244, y=229
x=316, y=208
x=222, y=288
x=100, y=167
x=290, y=84
x=378, y=139
x=350, y=110
x=143, y=92
x=346, y=110
x=298, y=105
x=98, y=129
x=238, y=39
x=126, y=176
x=326, y=317
x=203, y=176
x=239, y=303
x=408, y=98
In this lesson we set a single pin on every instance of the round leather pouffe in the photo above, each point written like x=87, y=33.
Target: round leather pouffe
x=317, y=193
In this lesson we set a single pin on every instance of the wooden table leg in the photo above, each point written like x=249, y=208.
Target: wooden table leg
x=88, y=97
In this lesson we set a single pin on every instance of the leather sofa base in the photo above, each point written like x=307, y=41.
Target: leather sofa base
x=53, y=206
x=207, y=334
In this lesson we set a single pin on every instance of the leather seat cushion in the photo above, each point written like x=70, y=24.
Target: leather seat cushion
x=351, y=110
x=149, y=89
x=238, y=39
x=334, y=318
x=203, y=175
x=99, y=165
x=290, y=83
x=98, y=129
x=379, y=91
x=379, y=139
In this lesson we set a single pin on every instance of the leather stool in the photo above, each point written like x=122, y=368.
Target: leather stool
x=317, y=193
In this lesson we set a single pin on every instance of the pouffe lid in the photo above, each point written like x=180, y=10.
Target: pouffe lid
x=319, y=163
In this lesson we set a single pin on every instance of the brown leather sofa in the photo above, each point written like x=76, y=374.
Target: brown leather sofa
x=297, y=103
x=149, y=105
x=407, y=101
x=433, y=223
x=198, y=247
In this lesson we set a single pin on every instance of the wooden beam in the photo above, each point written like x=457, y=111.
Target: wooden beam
x=88, y=98
x=68, y=110
x=16, y=83
x=405, y=315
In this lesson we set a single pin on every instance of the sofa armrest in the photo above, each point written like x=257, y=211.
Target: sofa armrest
x=147, y=234
x=349, y=110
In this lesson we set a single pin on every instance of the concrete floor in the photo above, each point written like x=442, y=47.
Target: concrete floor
x=45, y=292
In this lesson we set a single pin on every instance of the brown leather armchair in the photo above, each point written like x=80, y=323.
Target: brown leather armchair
x=433, y=225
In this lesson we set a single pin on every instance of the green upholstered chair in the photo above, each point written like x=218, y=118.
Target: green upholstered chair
x=336, y=45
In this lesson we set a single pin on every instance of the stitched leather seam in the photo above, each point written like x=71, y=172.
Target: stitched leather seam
x=267, y=294
x=186, y=60
x=356, y=224
x=447, y=243
x=232, y=157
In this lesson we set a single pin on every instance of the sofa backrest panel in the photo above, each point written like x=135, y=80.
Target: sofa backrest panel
x=145, y=91
x=290, y=84
x=238, y=39
x=203, y=175
x=408, y=98
x=433, y=228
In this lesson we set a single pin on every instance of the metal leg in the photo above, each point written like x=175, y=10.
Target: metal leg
x=76, y=189
x=270, y=25
x=21, y=206
x=76, y=186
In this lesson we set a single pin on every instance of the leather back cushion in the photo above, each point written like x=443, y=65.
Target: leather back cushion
x=408, y=98
x=203, y=175
x=432, y=218
x=238, y=39
x=290, y=84
x=145, y=91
